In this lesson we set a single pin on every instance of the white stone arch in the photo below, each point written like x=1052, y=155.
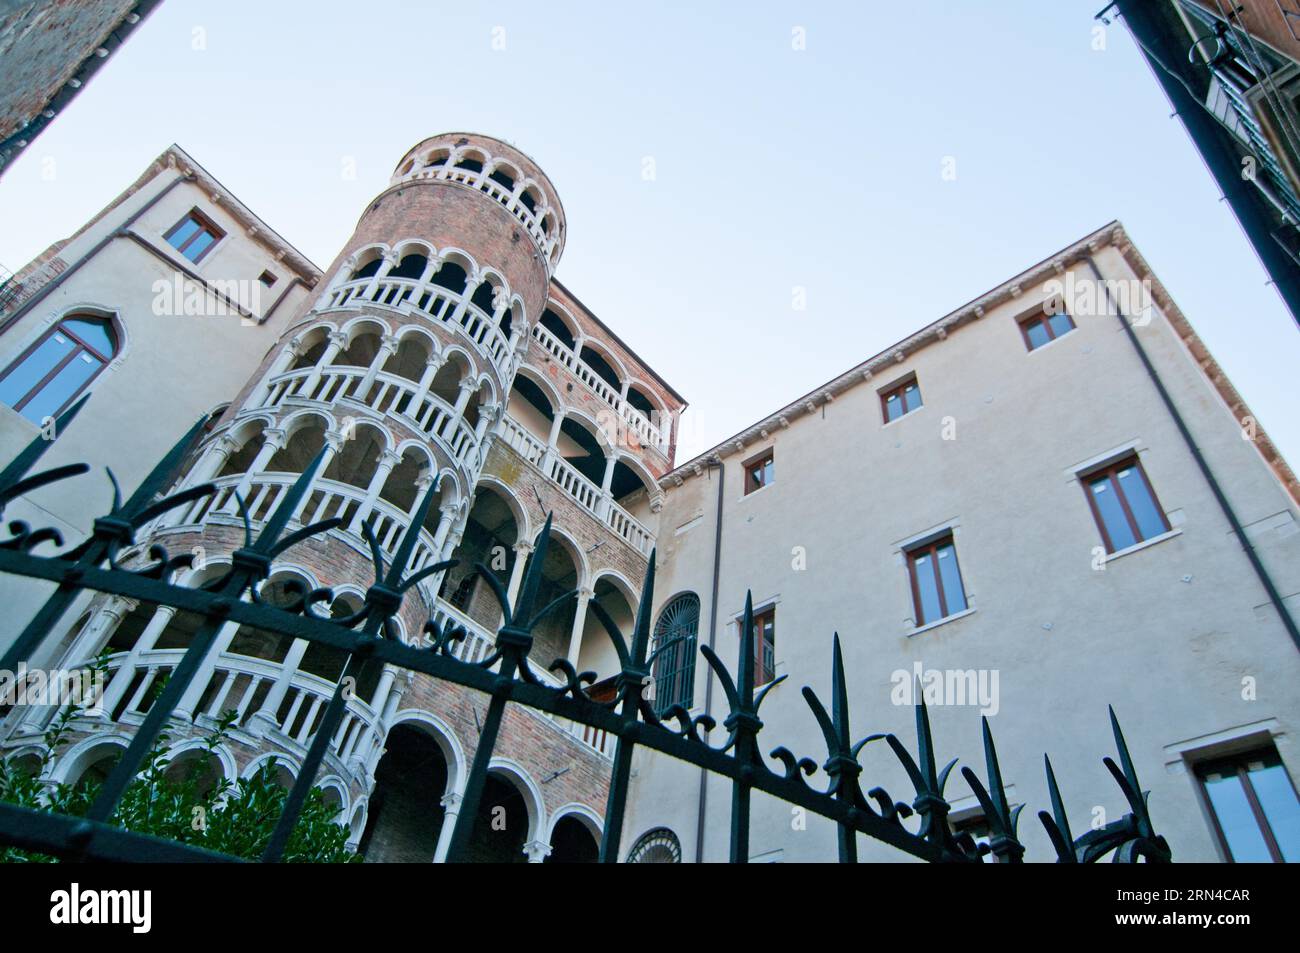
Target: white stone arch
x=357, y=824
x=520, y=315
x=580, y=416
x=562, y=537
x=360, y=421
x=471, y=151
x=355, y=327
x=290, y=764
x=95, y=310
x=420, y=446
x=605, y=351
x=508, y=166
x=494, y=279
x=566, y=316
x=27, y=751
x=444, y=151
x=451, y=349
x=634, y=463
x=486, y=380
x=299, y=419
x=416, y=331
x=621, y=583
x=458, y=256
x=591, y=820
x=414, y=246
x=229, y=767
x=84, y=753
x=449, y=480
x=335, y=783
x=523, y=525
x=648, y=393
x=558, y=406
x=283, y=569
x=243, y=429
x=443, y=736
x=523, y=782
x=211, y=569
x=360, y=257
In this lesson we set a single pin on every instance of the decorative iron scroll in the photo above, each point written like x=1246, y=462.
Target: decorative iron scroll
x=507, y=677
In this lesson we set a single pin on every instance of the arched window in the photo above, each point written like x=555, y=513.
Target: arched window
x=674, y=646
x=659, y=846
x=54, y=370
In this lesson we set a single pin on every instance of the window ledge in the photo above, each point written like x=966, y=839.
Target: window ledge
x=938, y=622
x=1043, y=347
x=890, y=423
x=1176, y=531
x=753, y=493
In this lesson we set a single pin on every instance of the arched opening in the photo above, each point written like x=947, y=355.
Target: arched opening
x=502, y=177
x=314, y=343
x=604, y=370
x=409, y=360
x=368, y=270
x=530, y=198
x=92, y=767
x=572, y=842
x=452, y=277
x=356, y=461
x=555, y=324
x=531, y=408
x=582, y=450
x=446, y=383
x=659, y=846
x=361, y=350
x=401, y=489
x=405, y=810
x=482, y=297
x=203, y=769
x=328, y=662
x=240, y=460
x=490, y=536
x=306, y=440
x=411, y=266
x=501, y=825
x=597, y=653
x=639, y=401
x=626, y=485
x=559, y=575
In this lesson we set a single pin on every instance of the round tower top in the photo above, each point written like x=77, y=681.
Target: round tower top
x=498, y=170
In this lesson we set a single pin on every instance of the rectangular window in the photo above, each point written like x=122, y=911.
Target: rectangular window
x=764, y=646
x=1124, y=505
x=937, y=590
x=760, y=473
x=1044, y=325
x=194, y=235
x=902, y=398
x=1253, y=806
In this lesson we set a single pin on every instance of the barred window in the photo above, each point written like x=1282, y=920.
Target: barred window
x=674, y=646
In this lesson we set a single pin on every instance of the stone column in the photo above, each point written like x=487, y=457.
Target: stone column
x=273, y=440
x=537, y=851
x=387, y=348
x=292, y=352
x=333, y=444
x=338, y=341
x=194, y=693
x=125, y=674
x=267, y=716
x=451, y=803
x=579, y=622
x=387, y=460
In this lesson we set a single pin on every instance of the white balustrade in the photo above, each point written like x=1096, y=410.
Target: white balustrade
x=577, y=486
x=387, y=394
x=235, y=685
x=435, y=302
x=326, y=499
x=647, y=433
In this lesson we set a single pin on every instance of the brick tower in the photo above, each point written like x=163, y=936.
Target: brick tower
x=438, y=348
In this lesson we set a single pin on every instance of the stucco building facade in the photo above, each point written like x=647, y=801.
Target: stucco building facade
x=1029, y=492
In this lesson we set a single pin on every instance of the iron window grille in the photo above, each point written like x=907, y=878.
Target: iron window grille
x=674, y=652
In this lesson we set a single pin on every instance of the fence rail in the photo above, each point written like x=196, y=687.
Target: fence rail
x=507, y=677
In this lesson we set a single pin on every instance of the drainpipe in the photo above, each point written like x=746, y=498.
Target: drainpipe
x=713, y=638
x=1255, y=562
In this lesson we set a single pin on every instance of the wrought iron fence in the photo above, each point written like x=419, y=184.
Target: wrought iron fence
x=507, y=677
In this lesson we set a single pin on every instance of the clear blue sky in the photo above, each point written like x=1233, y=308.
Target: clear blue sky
x=775, y=168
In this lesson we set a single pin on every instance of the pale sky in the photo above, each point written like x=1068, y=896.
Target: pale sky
x=774, y=167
